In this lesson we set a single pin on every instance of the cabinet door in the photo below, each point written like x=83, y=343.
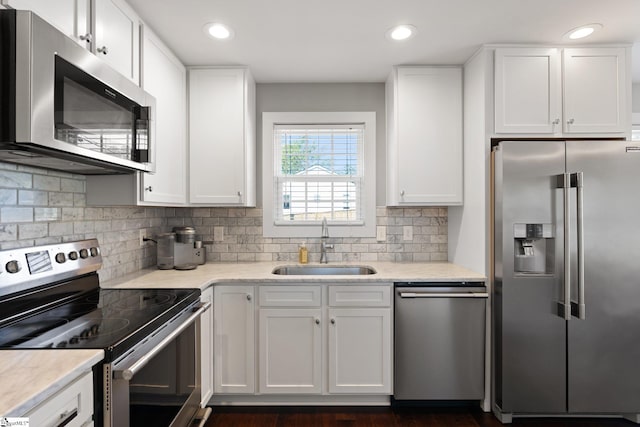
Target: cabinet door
x=528, y=95
x=164, y=77
x=595, y=90
x=360, y=350
x=206, y=349
x=117, y=37
x=69, y=16
x=219, y=144
x=425, y=159
x=234, y=339
x=290, y=345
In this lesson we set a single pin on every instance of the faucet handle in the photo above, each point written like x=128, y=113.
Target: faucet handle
x=325, y=228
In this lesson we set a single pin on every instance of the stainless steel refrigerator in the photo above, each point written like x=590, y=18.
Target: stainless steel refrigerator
x=566, y=278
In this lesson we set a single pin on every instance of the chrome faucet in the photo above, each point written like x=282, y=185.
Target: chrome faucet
x=324, y=235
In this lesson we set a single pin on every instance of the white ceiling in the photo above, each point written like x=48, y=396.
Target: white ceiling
x=344, y=40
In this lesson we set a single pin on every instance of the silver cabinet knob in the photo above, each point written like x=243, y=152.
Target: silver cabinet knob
x=149, y=189
x=333, y=321
x=402, y=192
x=570, y=121
x=248, y=297
x=555, y=122
x=103, y=50
x=317, y=321
x=86, y=37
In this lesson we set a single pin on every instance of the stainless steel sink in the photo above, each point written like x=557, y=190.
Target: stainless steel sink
x=323, y=270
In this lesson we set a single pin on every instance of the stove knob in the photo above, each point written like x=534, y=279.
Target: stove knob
x=62, y=344
x=13, y=267
x=84, y=254
x=61, y=258
x=74, y=340
x=94, y=251
x=73, y=255
x=84, y=333
x=95, y=329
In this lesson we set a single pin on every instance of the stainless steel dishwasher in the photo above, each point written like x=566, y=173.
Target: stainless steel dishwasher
x=439, y=341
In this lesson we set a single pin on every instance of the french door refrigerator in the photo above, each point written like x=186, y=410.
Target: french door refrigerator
x=566, y=278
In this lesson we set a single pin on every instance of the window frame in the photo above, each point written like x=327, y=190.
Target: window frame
x=364, y=228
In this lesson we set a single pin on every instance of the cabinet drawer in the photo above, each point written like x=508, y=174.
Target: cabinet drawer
x=359, y=296
x=73, y=403
x=290, y=296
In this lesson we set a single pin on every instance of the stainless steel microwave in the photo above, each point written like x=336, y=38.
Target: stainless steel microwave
x=63, y=108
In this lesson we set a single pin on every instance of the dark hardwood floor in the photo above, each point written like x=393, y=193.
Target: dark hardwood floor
x=385, y=417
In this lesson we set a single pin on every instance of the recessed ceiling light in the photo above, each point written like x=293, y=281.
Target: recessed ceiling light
x=218, y=31
x=401, y=32
x=581, y=32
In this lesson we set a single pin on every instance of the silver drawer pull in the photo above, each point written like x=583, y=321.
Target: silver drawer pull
x=67, y=417
x=444, y=295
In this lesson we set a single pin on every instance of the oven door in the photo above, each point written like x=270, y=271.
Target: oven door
x=158, y=381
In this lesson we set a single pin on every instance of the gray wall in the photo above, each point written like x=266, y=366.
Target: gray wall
x=277, y=97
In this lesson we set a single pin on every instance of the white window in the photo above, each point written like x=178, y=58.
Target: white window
x=316, y=166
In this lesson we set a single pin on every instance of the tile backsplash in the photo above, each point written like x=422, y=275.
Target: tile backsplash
x=40, y=207
x=235, y=235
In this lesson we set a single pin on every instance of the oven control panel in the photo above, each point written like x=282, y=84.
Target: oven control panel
x=23, y=268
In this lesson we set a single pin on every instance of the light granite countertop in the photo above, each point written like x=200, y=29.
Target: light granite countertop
x=29, y=377
x=260, y=272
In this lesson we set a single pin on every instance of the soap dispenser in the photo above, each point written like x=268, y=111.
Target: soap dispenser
x=303, y=253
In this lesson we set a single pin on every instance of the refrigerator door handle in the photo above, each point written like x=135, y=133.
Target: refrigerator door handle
x=564, y=307
x=577, y=181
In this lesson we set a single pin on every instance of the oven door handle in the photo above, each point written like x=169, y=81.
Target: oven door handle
x=128, y=373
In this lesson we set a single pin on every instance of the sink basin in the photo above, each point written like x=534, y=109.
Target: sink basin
x=323, y=270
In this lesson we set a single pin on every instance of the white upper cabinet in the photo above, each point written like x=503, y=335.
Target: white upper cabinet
x=595, y=90
x=117, y=37
x=424, y=136
x=164, y=77
x=553, y=91
x=222, y=137
x=528, y=94
x=69, y=16
x=111, y=30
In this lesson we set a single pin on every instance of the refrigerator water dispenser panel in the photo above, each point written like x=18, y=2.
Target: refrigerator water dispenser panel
x=533, y=248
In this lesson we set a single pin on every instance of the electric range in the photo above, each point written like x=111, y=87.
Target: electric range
x=50, y=297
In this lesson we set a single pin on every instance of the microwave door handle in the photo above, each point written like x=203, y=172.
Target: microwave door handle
x=577, y=181
x=129, y=372
x=142, y=129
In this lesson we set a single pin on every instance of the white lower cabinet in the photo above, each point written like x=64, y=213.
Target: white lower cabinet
x=234, y=339
x=206, y=349
x=324, y=339
x=301, y=340
x=290, y=350
x=360, y=350
x=72, y=406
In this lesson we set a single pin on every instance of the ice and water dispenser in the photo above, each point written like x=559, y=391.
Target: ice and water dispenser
x=534, y=248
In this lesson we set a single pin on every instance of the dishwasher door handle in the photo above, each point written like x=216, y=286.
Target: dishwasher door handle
x=443, y=294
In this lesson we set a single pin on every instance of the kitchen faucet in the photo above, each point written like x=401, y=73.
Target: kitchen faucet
x=324, y=235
